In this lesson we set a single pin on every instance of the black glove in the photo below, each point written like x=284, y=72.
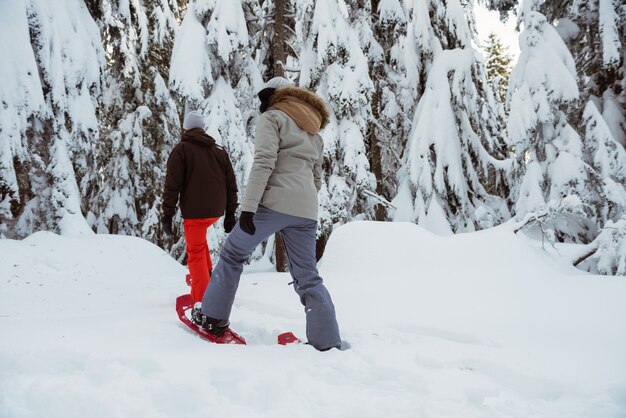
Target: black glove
x=246, y=222
x=229, y=222
x=166, y=224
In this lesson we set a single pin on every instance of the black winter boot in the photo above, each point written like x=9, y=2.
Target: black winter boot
x=215, y=326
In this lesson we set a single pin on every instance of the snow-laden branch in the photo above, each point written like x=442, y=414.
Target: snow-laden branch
x=288, y=67
x=378, y=197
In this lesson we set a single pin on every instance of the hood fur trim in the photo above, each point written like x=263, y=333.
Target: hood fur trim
x=306, y=96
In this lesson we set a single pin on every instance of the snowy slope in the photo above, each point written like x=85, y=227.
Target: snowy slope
x=474, y=325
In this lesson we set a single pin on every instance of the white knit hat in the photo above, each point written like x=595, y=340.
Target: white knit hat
x=193, y=119
x=277, y=82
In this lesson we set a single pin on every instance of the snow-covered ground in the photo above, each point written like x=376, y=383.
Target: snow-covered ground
x=475, y=325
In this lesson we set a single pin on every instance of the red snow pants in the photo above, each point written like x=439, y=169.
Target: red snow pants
x=198, y=256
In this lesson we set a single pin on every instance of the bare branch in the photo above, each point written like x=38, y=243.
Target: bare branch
x=585, y=256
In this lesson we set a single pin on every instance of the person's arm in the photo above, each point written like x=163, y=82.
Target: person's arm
x=174, y=179
x=317, y=169
x=265, y=155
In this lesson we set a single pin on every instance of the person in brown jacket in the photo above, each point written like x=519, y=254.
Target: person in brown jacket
x=199, y=172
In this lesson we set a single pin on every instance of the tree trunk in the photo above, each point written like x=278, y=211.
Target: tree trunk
x=279, y=44
x=279, y=57
x=282, y=263
x=375, y=154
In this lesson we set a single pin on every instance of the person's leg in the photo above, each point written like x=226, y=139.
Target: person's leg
x=197, y=249
x=220, y=294
x=321, y=322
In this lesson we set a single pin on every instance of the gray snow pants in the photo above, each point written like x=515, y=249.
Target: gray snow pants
x=298, y=235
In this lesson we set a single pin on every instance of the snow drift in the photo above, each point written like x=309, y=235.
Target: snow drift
x=474, y=325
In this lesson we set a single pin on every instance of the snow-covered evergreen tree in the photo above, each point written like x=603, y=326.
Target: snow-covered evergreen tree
x=609, y=255
x=333, y=64
x=498, y=63
x=139, y=122
x=455, y=168
x=608, y=159
x=395, y=79
x=591, y=172
x=550, y=165
x=21, y=96
x=595, y=31
x=213, y=71
x=375, y=23
x=50, y=126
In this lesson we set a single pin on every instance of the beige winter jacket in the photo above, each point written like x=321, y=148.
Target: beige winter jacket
x=287, y=168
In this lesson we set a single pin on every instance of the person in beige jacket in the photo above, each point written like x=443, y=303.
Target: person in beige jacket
x=280, y=197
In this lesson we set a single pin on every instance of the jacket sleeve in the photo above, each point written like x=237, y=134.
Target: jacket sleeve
x=265, y=154
x=173, y=181
x=317, y=168
x=231, y=185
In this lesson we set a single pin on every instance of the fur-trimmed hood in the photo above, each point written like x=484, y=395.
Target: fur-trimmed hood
x=306, y=108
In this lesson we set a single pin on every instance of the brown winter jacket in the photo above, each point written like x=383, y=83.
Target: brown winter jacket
x=200, y=172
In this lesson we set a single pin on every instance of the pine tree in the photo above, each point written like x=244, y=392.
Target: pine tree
x=498, y=65
x=22, y=100
x=609, y=250
x=455, y=169
x=608, y=160
x=393, y=100
x=52, y=132
x=595, y=31
x=139, y=121
x=552, y=177
x=162, y=130
x=592, y=181
x=333, y=64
